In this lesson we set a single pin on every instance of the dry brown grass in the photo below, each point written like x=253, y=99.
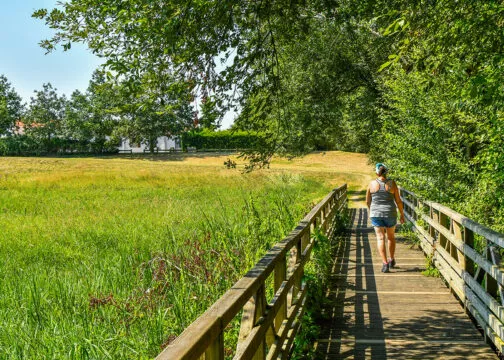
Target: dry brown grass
x=333, y=168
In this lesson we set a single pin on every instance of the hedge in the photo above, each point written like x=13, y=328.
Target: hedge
x=225, y=140
x=27, y=145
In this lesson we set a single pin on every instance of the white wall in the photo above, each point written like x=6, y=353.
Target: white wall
x=163, y=143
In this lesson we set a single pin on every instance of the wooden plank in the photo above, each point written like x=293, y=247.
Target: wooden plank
x=195, y=340
x=353, y=340
x=412, y=350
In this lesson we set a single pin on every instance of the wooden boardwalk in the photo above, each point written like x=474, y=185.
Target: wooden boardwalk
x=399, y=315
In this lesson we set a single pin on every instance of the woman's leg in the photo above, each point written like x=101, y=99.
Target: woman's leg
x=391, y=241
x=380, y=236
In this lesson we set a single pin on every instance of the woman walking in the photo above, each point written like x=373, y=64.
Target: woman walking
x=382, y=197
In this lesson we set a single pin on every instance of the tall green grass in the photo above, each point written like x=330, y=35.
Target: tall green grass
x=112, y=259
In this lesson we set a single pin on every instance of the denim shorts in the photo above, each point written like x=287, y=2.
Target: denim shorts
x=387, y=222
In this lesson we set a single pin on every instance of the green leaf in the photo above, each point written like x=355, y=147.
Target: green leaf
x=384, y=66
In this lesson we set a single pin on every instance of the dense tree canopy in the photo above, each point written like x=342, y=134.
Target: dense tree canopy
x=11, y=106
x=417, y=84
x=150, y=112
x=233, y=51
x=45, y=115
x=441, y=114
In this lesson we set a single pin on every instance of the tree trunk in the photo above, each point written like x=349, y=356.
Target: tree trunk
x=151, y=145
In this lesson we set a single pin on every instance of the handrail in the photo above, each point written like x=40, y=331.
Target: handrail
x=476, y=278
x=267, y=330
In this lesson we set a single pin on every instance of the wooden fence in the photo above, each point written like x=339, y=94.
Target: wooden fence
x=467, y=255
x=267, y=328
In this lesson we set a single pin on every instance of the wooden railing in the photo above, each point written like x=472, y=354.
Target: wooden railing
x=467, y=255
x=267, y=329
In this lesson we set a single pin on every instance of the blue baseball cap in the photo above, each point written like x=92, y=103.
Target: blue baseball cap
x=378, y=165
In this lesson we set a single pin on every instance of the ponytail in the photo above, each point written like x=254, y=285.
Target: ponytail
x=382, y=170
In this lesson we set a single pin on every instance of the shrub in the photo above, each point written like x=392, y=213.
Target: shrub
x=226, y=139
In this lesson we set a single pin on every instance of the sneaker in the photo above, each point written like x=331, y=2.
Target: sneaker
x=391, y=263
x=384, y=268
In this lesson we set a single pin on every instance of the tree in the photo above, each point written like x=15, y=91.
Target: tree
x=11, y=106
x=76, y=124
x=149, y=113
x=104, y=99
x=45, y=114
x=211, y=116
x=187, y=40
x=90, y=117
x=237, y=51
x=441, y=117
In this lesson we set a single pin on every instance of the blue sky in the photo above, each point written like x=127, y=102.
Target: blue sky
x=25, y=64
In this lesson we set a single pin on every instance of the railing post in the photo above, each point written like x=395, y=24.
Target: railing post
x=469, y=241
x=322, y=220
x=496, y=260
x=490, y=283
x=328, y=217
x=252, y=312
x=433, y=216
x=301, y=246
x=443, y=219
x=280, y=276
x=305, y=240
x=216, y=350
x=457, y=231
x=415, y=207
x=295, y=259
x=410, y=210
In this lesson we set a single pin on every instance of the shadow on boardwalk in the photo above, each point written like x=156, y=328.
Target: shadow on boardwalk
x=400, y=315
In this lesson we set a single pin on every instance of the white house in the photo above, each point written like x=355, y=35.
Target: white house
x=164, y=143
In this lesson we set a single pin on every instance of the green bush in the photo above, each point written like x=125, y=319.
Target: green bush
x=28, y=145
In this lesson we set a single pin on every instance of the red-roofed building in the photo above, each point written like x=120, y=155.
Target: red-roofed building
x=20, y=127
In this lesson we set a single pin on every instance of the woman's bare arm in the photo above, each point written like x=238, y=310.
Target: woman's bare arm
x=368, y=199
x=398, y=201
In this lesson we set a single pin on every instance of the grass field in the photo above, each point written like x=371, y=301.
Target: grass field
x=112, y=257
